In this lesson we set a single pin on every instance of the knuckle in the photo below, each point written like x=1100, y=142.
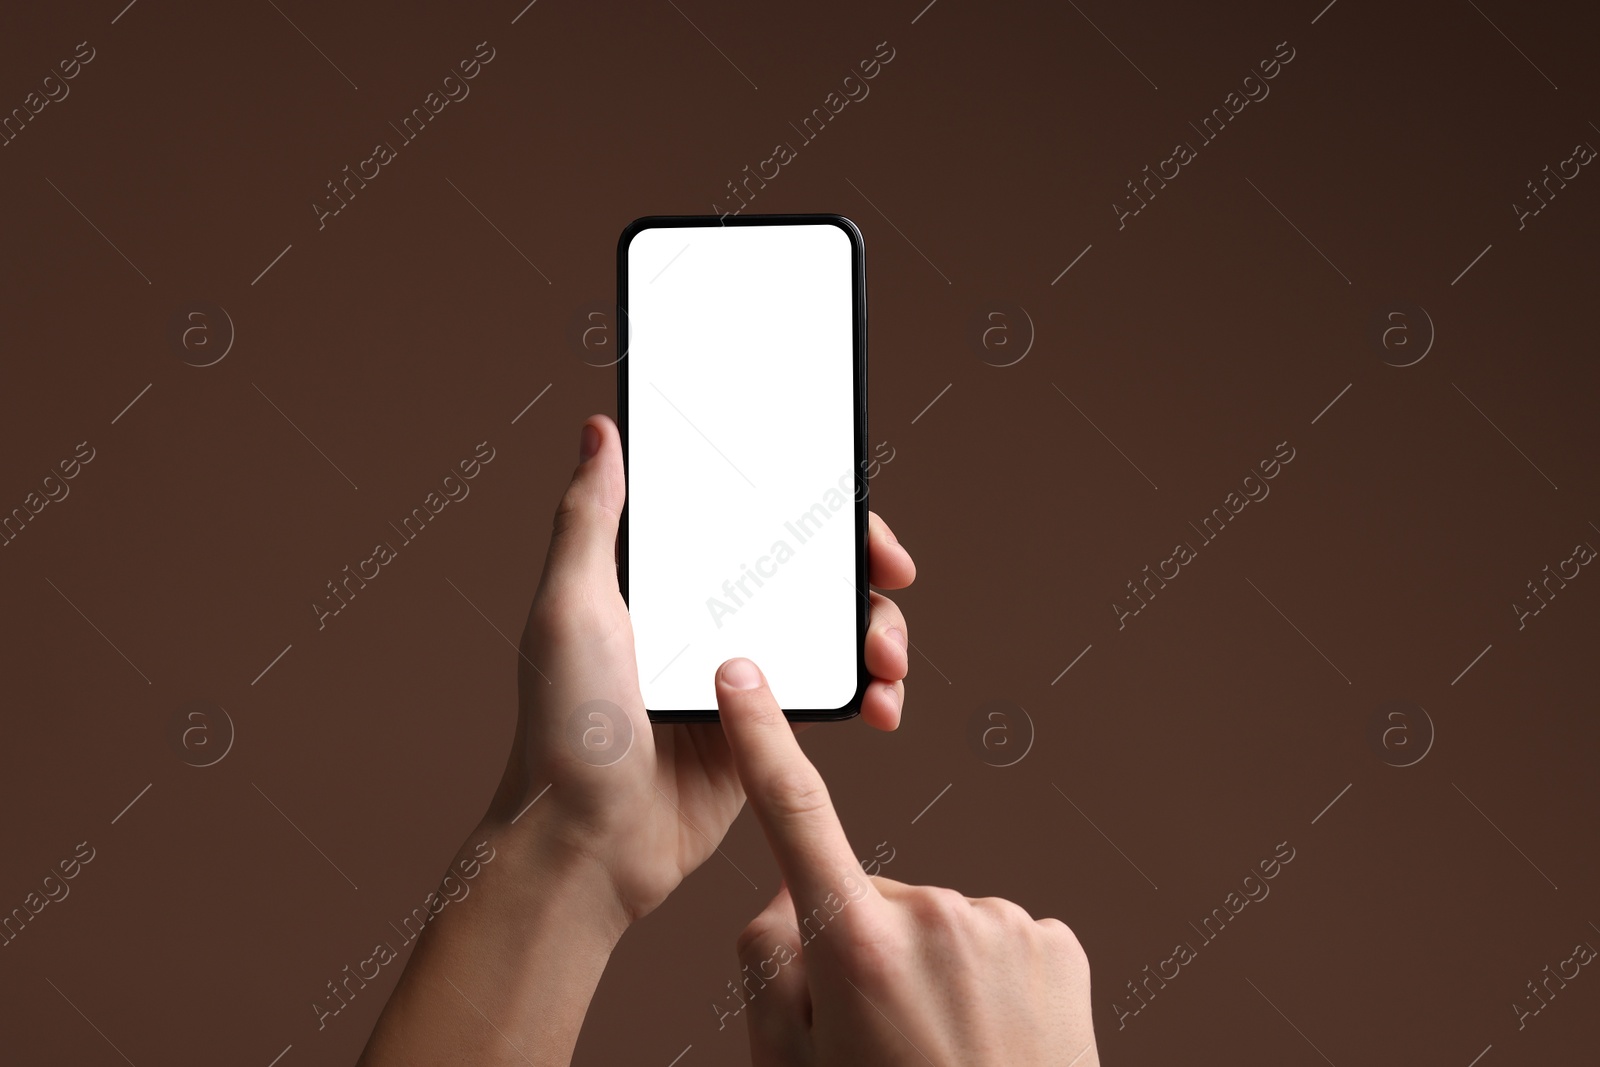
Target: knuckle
x=753, y=937
x=557, y=609
x=942, y=909
x=887, y=615
x=567, y=613
x=886, y=608
x=569, y=510
x=1061, y=939
x=873, y=958
x=797, y=793
x=581, y=502
x=545, y=619
x=1009, y=914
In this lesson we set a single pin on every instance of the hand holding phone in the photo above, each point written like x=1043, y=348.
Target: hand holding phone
x=598, y=815
x=649, y=804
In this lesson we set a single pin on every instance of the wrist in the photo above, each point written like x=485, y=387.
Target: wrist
x=545, y=870
x=507, y=970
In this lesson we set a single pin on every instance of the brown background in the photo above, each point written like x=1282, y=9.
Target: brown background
x=1197, y=338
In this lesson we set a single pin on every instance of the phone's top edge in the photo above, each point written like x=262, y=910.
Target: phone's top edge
x=651, y=222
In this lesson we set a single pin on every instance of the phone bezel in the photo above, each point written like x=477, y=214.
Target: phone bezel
x=859, y=319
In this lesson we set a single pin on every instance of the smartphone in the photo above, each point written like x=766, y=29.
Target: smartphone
x=742, y=401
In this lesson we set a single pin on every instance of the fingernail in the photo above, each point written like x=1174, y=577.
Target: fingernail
x=897, y=637
x=740, y=674
x=588, y=442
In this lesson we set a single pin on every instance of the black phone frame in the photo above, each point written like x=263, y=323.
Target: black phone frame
x=858, y=273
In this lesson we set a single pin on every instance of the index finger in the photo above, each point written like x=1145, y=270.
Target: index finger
x=788, y=795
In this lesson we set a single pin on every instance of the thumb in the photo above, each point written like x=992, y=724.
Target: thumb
x=774, y=980
x=583, y=544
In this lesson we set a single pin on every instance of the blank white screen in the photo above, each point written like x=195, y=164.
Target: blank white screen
x=741, y=455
